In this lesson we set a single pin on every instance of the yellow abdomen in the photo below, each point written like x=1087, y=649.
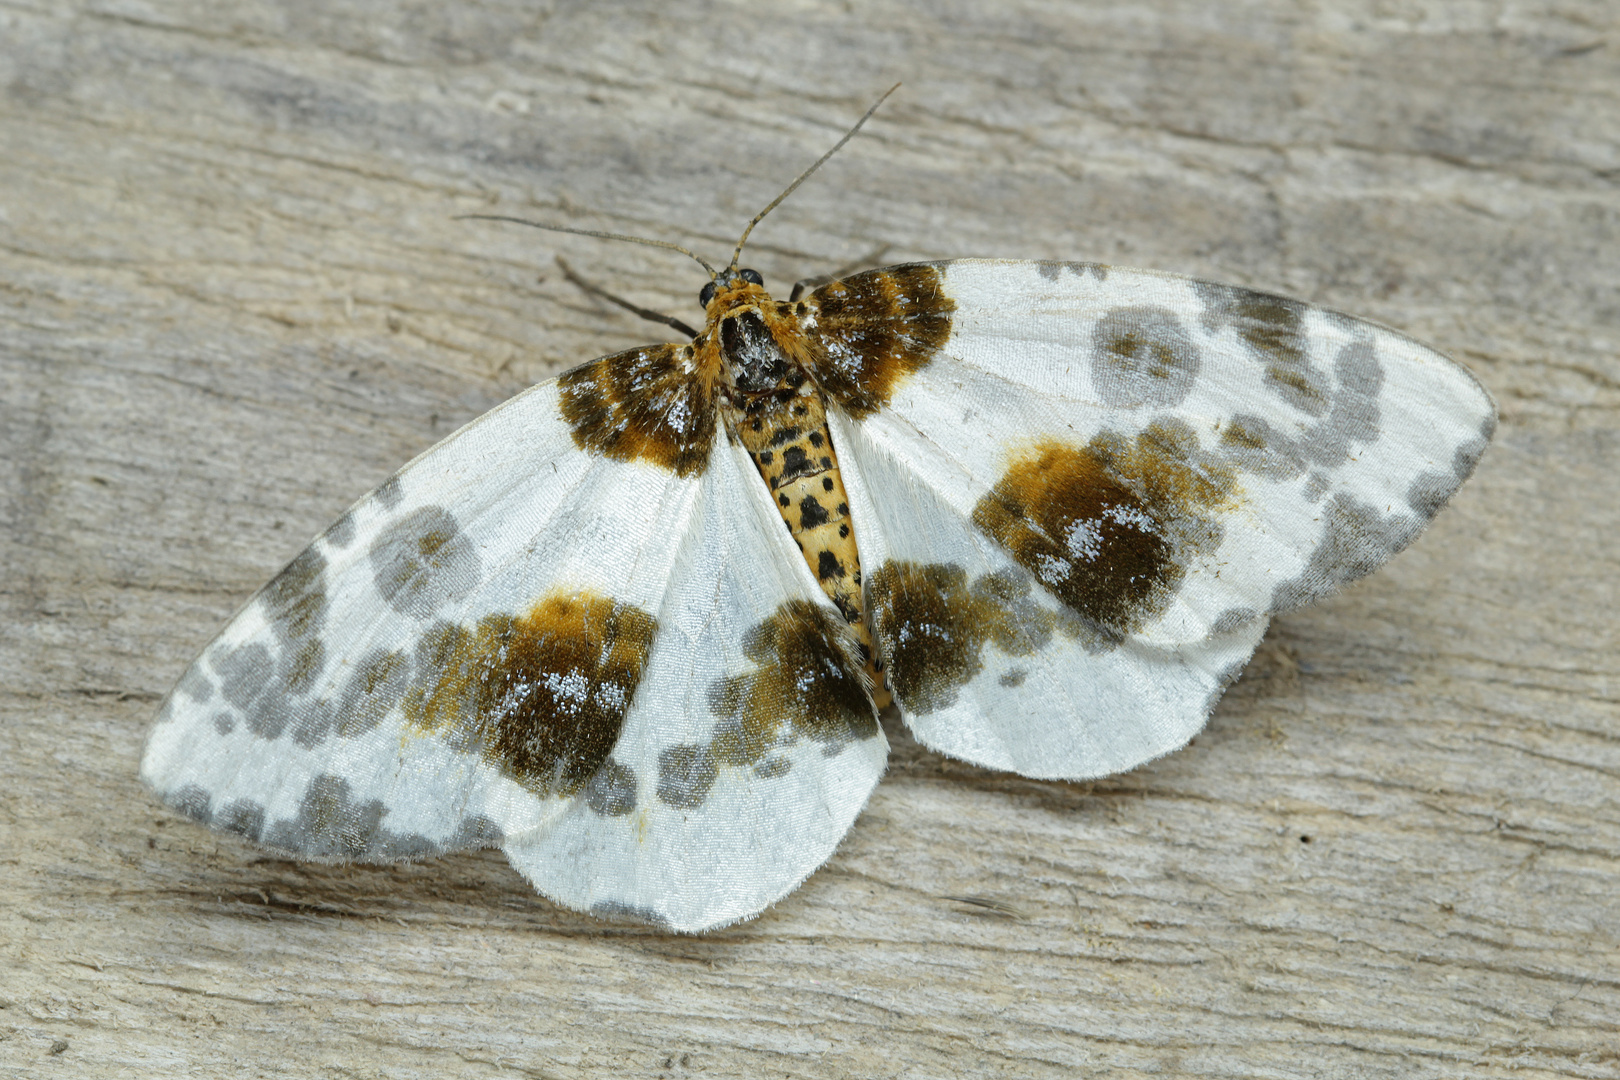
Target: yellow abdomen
x=790, y=445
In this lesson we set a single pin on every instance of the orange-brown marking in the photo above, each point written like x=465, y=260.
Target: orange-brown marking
x=869, y=331
x=543, y=694
x=655, y=404
x=808, y=682
x=934, y=625
x=1108, y=527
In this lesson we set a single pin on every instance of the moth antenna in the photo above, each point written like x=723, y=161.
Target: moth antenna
x=592, y=232
x=735, y=255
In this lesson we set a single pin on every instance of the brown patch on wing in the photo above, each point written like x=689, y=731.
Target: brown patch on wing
x=655, y=404
x=808, y=683
x=868, y=332
x=1108, y=527
x=933, y=625
x=543, y=694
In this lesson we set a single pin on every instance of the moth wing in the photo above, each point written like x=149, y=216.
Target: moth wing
x=513, y=642
x=754, y=739
x=1122, y=474
x=985, y=663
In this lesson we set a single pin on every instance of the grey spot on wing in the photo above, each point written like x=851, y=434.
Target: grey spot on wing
x=295, y=603
x=332, y=823
x=441, y=650
x=772, y=767
x=616, y=910
x=611, y=790
x=1429, y=492
x=1350, y=417
x=192, y=801
x=340, y=534
x=311, y=720
x=271, y=712
x=1015, y=677
x=389, y=492
x=244, y=817
x=1232, y=618
x=1251, y=443
x=1356, y=541
x=1469, y=453
x=224, y=722
x=423, y=561
x=685, y=775
x=1272, y=326
x=1053, y=271
x=1143, y=356
x=195, y=685
x=477, y=831
x=243, y=673
x=1355, y=415
x=377, y=685
x=329, y=822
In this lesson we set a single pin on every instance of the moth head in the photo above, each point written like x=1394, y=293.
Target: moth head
x=730, y=280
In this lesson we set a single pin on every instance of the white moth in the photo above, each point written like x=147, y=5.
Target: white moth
x=1047, y=507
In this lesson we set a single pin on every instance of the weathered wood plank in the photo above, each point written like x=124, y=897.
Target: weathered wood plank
x=232, y=298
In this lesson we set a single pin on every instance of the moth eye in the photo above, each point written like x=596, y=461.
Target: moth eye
x=751, y=276
x=706, y=294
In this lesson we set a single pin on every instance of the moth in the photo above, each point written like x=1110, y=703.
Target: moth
x=635, y=625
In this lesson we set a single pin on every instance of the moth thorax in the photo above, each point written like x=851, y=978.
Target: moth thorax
x=757, y=363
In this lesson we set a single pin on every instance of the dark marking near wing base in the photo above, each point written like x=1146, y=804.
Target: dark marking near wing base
x=640, y=405
x=544, y=694
x=807, y=684
x=932, y=626
x=873, y=329
x=1108, y=527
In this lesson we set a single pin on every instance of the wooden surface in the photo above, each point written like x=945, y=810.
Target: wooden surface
x=233, y=298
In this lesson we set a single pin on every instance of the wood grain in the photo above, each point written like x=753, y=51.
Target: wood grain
x=233, y=297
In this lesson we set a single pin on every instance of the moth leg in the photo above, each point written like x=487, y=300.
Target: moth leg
x=646, y=313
